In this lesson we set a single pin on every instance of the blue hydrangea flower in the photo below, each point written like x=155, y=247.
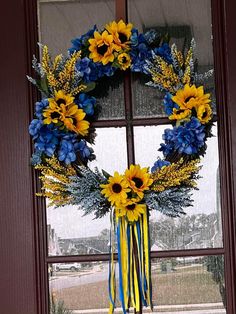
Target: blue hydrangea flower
x=91, y=72
x=39, y=107
x=66, y=151
x=150, y=36
x=36, y=158
x=47, y=140
x=85, y=152
x=81, y=42
x=86, y=103
x=34, y=128
x=139, y=51
x=159, y=164
x=169, y=104
x=185, y=139
x=164, y=51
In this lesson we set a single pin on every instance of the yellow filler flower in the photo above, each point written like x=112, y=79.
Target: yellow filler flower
x=131, y=210
x=139, y=179
x=116, y=190
x=101, y=48
x=121, y=33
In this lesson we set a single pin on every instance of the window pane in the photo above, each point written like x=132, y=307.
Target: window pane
x=62, y=21
x=192, y=284
x=201, y=226
x=71, y=233
x=110, y=150
x=81, y=286
x=182, y=20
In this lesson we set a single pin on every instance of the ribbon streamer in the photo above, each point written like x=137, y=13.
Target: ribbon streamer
x=134, y=265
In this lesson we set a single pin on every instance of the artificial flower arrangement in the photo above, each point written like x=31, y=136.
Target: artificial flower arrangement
x=63, y=138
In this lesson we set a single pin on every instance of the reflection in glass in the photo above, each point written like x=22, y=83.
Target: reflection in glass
x=201, y=226
x=62, y=21
x=81, y=286
x=110, y=150
x=192, y=284
x=71, y=233
x=180, y=19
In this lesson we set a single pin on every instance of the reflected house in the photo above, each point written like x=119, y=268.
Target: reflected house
x=159, y=246
x=53, y=242
x=87, y=245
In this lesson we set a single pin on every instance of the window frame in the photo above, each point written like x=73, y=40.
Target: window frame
x=28, y=252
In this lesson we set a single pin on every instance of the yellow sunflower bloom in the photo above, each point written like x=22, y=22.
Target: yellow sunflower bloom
x=62, y=98
x=190, y=97
x=101, y=48
x=180, y=114
x=74, y=120
x=121, y=33
x=52, y=113
x=131, y=210
x=116, y=190
x=139, y=179
x=204, y=113
x=124, y=61
x=55, y=112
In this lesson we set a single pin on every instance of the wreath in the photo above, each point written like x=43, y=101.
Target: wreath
x=63, y=139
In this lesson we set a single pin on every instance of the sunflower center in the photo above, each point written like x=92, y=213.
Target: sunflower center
x=116, y=188
x=74, y=121
x=138, y=182
x=131, y=207
x=122, y=38
x=179, y=111
x=55, y=115
x=188, y=99
x=102, y=49
x=123, y=59
x=61, y=101
x=204, y=115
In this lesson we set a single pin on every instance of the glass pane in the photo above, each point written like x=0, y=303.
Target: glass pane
x=182, y=20
x=201, y=226
x=110, y=150
x=71, y=233
x=62, y=21
x=81, y=286
x=191, y=285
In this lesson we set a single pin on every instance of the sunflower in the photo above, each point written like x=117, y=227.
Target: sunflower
x=204, y=113
x=180, y=114
x=121, y=33
x=131, y=210
x=55, y=110
x=52, y=114
x=74, y=120
x=116, y=190
x=190, y=97
x=139, y=179
x=62, y=98
x=124, y=60
x=101, y=48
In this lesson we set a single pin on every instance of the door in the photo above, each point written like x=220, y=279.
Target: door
x=25, y=258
